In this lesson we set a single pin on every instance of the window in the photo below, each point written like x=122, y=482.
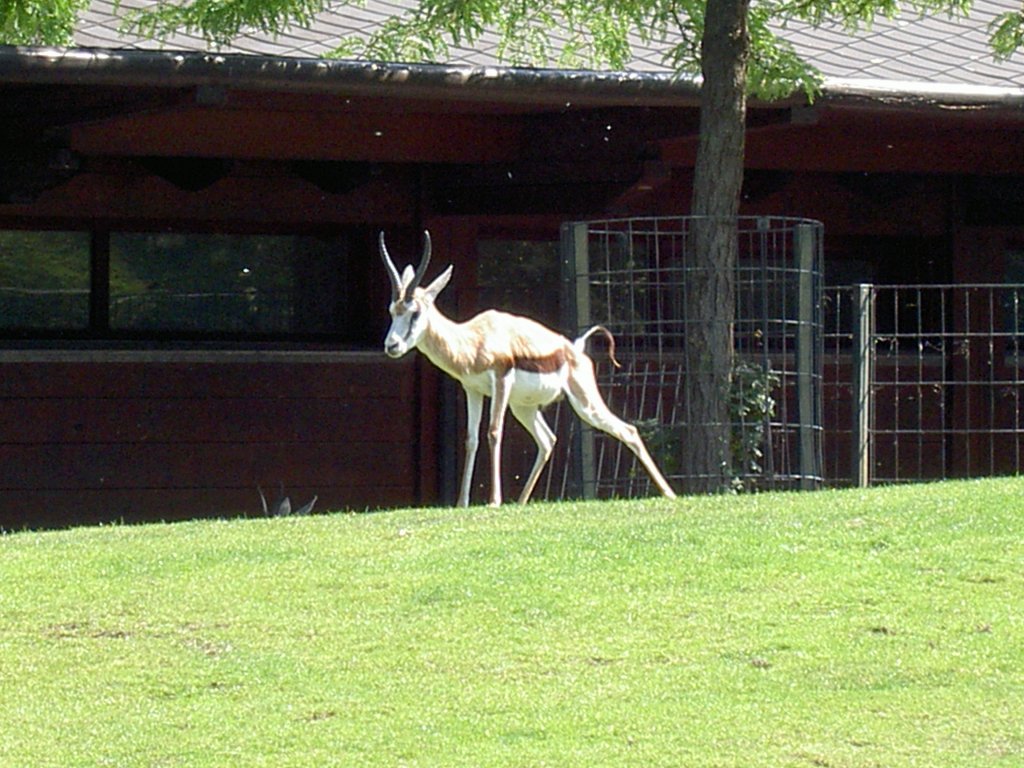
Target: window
x=902, y=268
x=522, y=277
x=167, y=286
x=1012, y=296
x=224, y=284
x=44, y=281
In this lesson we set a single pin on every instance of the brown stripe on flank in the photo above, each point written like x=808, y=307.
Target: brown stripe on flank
x=546, y=364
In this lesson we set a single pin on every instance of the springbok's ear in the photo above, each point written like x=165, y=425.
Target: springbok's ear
x=439, y=283
x=407, y=276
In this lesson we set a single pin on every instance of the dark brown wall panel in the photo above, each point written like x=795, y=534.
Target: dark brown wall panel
x=218, y=420
x=95, y=441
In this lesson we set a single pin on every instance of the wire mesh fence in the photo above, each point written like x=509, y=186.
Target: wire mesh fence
x=632, y=276
x=844, y=385
x=946, y=392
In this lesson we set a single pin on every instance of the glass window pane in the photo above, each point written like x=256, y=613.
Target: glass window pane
x=44, y=280
x=520, y=276
x=1012, y=298
x=227, y=284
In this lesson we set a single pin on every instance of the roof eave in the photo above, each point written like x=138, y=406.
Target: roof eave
x=188, y=68
x=903, y=94
x=496, y=84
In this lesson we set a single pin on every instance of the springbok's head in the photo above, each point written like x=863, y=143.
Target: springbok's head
x=411, y=305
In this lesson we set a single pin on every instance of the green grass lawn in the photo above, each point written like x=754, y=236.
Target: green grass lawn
x=851, y=628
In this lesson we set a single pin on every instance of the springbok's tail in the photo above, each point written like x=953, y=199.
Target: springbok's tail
x=581, y=343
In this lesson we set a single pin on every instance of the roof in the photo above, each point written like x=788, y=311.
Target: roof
x=936, y=50
x=927, y=62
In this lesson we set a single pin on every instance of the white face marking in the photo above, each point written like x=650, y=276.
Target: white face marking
x=406, y=327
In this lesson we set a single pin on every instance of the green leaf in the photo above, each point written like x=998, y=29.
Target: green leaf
x=34, y=22
x=1007, y=34
x=567, y=33
x=219, y=21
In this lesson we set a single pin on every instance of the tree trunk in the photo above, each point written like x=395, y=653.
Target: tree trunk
x=718, y=178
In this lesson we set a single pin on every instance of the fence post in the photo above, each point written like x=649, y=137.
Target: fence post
x=575, y=268
x=863, y=376
x=810, y=465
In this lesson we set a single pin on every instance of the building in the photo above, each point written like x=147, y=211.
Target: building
x=192, y=300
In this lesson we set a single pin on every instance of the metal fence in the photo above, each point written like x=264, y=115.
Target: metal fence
x=918, y=383
x=923, y=382
x=631, y=275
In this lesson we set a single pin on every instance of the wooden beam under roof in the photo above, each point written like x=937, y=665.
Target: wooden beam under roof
x=299, y=135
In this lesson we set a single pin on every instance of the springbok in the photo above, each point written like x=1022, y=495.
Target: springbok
x=517, y=362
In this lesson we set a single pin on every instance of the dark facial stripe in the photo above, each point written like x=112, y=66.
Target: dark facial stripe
x=547, y=364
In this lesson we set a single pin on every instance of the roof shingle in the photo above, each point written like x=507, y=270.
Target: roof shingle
x=938, y=50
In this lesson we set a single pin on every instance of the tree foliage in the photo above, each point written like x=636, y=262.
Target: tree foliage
x=565, y=33
x=39, y=22
x=1007, y=33
x=562, y=33
x=219, y=21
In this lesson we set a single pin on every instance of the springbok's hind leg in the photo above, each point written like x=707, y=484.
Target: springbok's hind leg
x=530, y=416
x=586, y=400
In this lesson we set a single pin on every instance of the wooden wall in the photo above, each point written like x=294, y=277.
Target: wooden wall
x=84, y=442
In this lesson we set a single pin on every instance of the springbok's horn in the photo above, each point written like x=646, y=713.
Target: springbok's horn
x=421, y=270
x=396, y=281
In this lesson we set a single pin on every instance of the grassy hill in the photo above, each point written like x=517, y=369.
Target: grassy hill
x=850, y=628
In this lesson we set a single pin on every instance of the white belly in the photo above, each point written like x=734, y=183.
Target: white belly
x=537, y=388
x=528, y=388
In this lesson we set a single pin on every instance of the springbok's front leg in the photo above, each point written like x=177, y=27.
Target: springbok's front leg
x=474, y=411
x=499, y=405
